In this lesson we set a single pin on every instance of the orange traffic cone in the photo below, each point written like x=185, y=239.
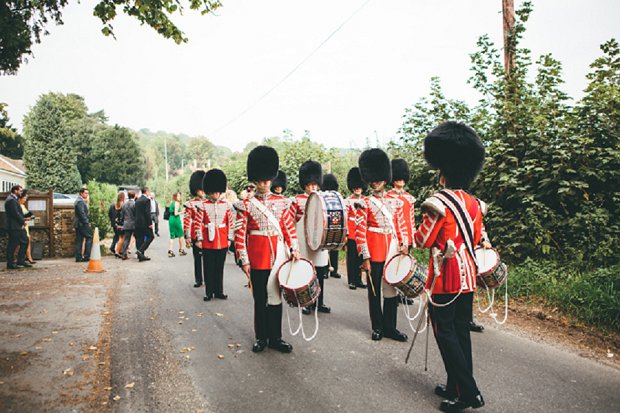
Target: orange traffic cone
x=95, y=264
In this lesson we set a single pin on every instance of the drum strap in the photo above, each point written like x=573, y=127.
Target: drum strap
x=385, y=213
x=463, y=220
x=269, y=215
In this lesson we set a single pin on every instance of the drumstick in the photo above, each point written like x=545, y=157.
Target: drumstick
x=372, y=285
x=399, y=260
x=426, y=352
x=415, y=335
x=290, y=271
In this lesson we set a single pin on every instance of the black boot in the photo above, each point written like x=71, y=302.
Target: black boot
x=390, y=308
x=274, y=315
x=322, y=307
x=457, y=404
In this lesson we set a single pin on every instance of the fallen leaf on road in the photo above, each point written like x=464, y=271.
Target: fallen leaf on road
x=23, y=353
x=180, y=322
x=1, y=382
x=219, y=314
x=116, y=398
x=68, y=372
x=102, y=363
x=186, y=349
x=92, y=348
x=49, y=339
x=85, y=357
x=231, y=346
x=187, y=356
x=54, y=332
x=238, y=345
x=220, y=356
x=194, y=330
x=38, y=348
x=181, y=312
x=107, y=388
x=104, y=403
x=130, y=385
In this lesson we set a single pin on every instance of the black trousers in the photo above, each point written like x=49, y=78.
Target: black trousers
x=321, y=272
x=117, y=234
x=144, y=237
x=155, y=220
x=381, y=319
x=213, y=267
x=83, y=236
x=451, y=329
x=198, y=264
x=16, y=237
x=333, y=260
x=267, y=318
x=354, y=261
x=128, y=234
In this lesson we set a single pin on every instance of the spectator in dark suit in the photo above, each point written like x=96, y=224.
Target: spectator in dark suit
x=154, y=212
x=129, y=221
x=144, y=225
x=115, y=215
x=16, y=229
x=83, y=232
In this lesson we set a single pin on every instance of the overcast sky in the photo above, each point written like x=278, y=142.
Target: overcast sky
x=359, y=82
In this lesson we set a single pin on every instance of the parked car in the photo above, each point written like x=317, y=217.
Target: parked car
x=64, y=199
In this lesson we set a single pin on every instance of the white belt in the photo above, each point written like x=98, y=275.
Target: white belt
x=264, y=233
x=219, y=226
x=380, y=230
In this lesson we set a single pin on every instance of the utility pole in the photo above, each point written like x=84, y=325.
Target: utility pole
x=508, y=13
x=166, y=157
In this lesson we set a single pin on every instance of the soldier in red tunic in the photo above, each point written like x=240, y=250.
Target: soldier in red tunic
x=330, y=183
x=400, y=178
x=451, y=228
x=265, y=237
x=192, y=208
x=354, y=259
x=214, y=223
x=310, y=180
x=279, y=184
x=380, y=234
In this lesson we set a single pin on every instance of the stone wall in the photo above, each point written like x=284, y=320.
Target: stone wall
x=64, y=233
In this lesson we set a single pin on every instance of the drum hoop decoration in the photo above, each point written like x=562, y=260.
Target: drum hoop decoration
x=411, y=266
x=324, y=214
x=325, y=229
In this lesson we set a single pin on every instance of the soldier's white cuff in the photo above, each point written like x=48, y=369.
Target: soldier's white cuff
x=295, y=245
x=364, y=252
x=243, y=257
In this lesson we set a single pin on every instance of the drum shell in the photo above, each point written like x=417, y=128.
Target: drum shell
x=413, y=283
x=303, y=296
x=495, y=276
x=334, y=216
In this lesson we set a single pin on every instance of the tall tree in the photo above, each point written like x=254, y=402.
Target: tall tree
x=49, y=159
x=117, y=158
x=23, y=21
x=11, y=142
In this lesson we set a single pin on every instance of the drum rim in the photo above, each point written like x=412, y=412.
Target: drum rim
x=499, y=261
x=286, y=262
x=345, y=217
x=411, y=266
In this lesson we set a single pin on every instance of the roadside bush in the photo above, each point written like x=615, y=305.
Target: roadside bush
x=101, y=196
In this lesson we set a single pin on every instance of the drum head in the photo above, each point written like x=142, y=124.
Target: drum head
x=395, y=272
x=301, y=274
x=314, y=221
x=487, y=259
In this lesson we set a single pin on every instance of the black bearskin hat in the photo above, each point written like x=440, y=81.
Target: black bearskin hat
x=375, y=166
x=280, y=180
x=263, y=163
x=400, y=170
x=309, y=172
x=330, y=183
x=457, y=151
x=195, y=181
x=354, y=180
x=214, y=181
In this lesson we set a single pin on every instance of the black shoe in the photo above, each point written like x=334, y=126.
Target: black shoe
x=206, y=298
x=477, y=328
x=352, y=286
x=326, y=276
x=221, y=296
x=112, y=251
x=306, y=310
x=336, y=275
x=12, y=266
x=396, y=335
x=197, y=285
x=376, y=335
x=79, y=260
x=125, y=257
x=457, y=405
x=259, y=346
x=24, y=264
x=280, y=345
x=362, y=286
x=142, y=257
x=324, y=309
x=441, y=390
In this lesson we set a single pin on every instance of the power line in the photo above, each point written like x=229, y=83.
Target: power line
x=293, y=70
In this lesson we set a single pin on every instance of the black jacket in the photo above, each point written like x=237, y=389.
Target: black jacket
x=14, y=215
x=143, y=212
x=81, y=213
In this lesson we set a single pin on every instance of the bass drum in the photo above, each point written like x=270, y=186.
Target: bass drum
x=325, y=221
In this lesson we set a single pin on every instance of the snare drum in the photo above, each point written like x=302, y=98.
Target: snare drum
x=325, y=221
x=404, y=273
x=300, y=285
x=491, y=271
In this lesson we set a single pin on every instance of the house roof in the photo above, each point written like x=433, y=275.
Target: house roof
x=15, y=166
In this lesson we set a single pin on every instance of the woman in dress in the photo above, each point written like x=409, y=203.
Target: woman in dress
x=28, y=216
x=174, y=224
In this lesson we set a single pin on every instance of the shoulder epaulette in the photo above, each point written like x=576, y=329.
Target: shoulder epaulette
x=434, y=205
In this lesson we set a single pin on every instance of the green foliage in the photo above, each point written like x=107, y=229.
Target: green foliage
x=590, y=296
x=101, y=196
x=552, y=170
x=23, y=21
x=49, y=159
x=116, y=157
x=11, y=143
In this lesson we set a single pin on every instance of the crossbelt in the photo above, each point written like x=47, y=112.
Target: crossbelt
x=380, y=230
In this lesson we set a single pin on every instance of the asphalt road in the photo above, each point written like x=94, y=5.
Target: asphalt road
x=184, y=354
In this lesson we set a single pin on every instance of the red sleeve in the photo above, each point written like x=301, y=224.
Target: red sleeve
x=287, y=225
x=241, y=232
x=360, y=232
x=426, y=234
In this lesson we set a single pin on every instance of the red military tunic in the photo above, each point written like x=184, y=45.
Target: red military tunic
x=220, y=214
x=374, y=231
x=189, y=217
x=255, y=238
x=408, y=210
x=299, y=206
x=438, y=226
x=353, y=219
